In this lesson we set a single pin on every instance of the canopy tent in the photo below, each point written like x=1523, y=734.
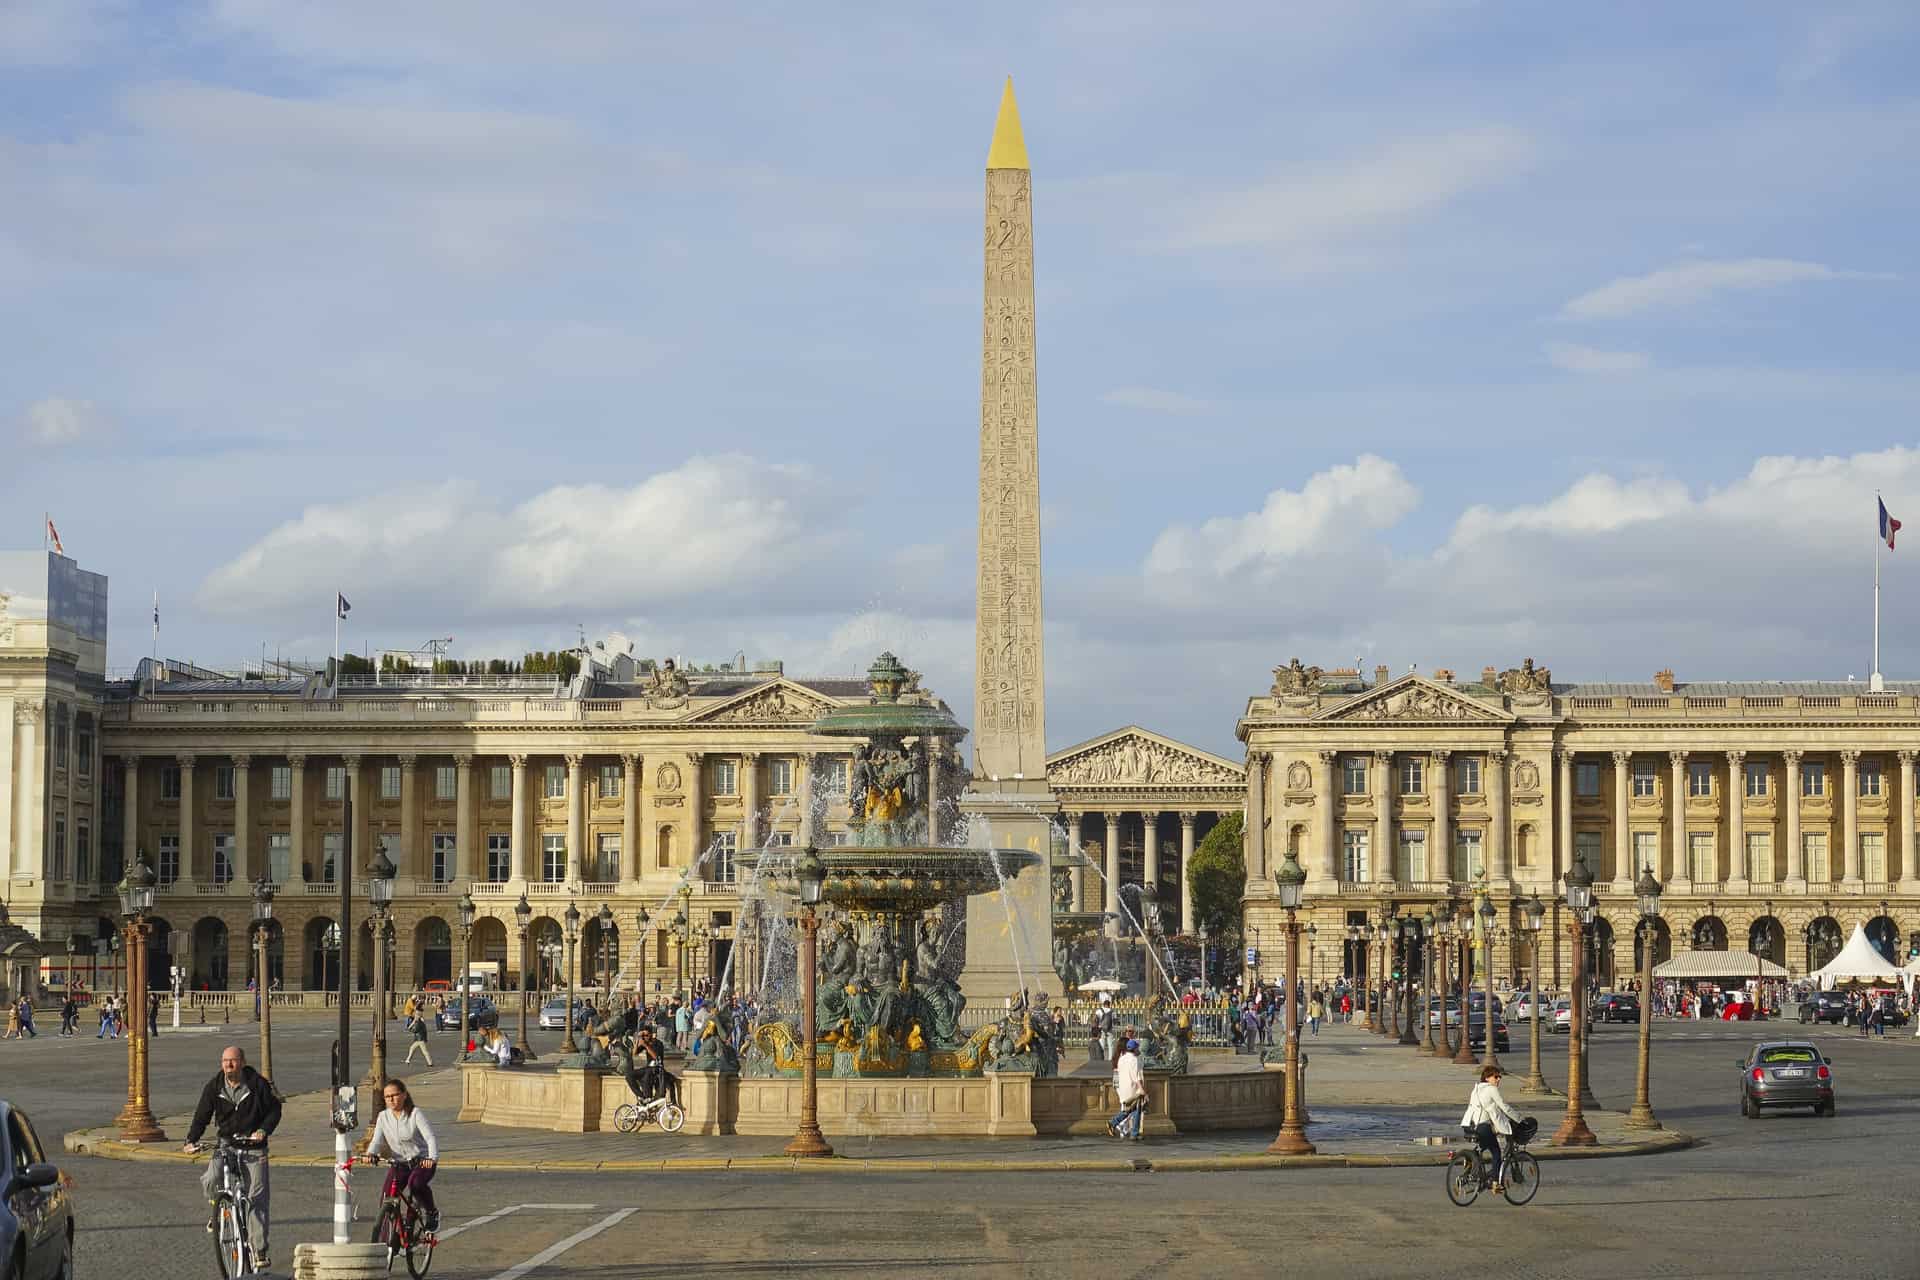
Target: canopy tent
x=1858, y=961
x=1692, y=965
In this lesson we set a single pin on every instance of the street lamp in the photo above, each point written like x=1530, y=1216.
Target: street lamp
x=467, y=910
x=1357, y=936
x=73, y=949
x=1203, y=956
x=1409, y=932
x=1289, y=879
x=262, y=928
x=119, y=974
x=1646, y=892
x=380, y=893
x=811, y=874
x=1380, y=961
x=1313, y=937
x=136, y=900
x=572, y=919
x=606, y=965
x=1463, y=981
x=1533, y=917
x=642, y=920
x=679, y=930
x=1442, y=986
x=522, y=917
x=1573, y=1131
x=1488, y=914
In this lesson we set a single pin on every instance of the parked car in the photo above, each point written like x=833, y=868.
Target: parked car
x=1824, y=1006
x=1790, y=1073
x=553, y=1014
x=437, y=985
x=1890, y=1012
x=1477, y=1031
x=1562, y=1016
x=1617, y=1006
x=36, y=1207
x=1433, y=1011
x=1523, y=1008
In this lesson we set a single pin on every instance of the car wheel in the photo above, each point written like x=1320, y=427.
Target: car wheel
x=65, y=1270
x=1829, y=1111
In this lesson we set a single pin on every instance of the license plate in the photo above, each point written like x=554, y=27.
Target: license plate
x=1793, y=1073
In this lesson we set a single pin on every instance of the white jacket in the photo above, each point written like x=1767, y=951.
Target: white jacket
x=1486, y=1106
x=1128, y=1082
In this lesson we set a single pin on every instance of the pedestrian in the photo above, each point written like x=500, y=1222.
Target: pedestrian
x=682, y=1025
x=69, y=1016
x=418, y=1026
x=13, y=1022
x=106, y=1018
x=26, y=1019
x=1316, y=1010
x=1130, y=1089
x=153, y=1014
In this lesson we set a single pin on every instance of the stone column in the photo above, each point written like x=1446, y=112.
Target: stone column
x=29, y=840
x=1737, y=877
x=749, y=804
x=1850, y=814
x=130, y=812
x=1902, y=812
x=1499, y=860
x=1256, y=828
x=806, y=762
x=243, y=820
x=631, y=766
x=1438, y=762
x=1113, y=874
x=1796, y=856
x=1563, y=834
x=519, y=836
x=296, y=824
x=466, y=857
x=1383, y=850
x=412, y=862
x=576, y=815
x=1077, y=876
x=1326, y=867
x=1680, y=873
x=189, y=863
x=9, y=851
x=1187, y=817
x=696, y=807
x=931, y=748
x=1151, y=831
x=1623, y=873
x=361, y=852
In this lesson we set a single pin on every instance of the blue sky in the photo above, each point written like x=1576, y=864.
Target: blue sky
x=1433, y=333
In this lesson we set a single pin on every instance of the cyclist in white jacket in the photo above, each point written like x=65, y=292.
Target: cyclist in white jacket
x=1487, y=1116
x=402, y=1131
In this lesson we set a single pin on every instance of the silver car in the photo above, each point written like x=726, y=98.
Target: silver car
x=36, y=1211
x=553, y=1014
x=1786, y=1073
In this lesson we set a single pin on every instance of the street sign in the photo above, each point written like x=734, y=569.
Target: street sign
x=1253, y=955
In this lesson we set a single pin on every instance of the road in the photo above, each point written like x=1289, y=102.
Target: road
x=1822, y=1195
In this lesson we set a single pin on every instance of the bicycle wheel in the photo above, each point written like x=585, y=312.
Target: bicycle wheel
x=671, y=1117
x=229, y=1238
x=419, y=1249
x=1523, y=1177
x=1463, y=1179
x=386, y=1230
x=626, y=1117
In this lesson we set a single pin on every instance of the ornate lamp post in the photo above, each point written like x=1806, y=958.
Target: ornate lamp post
x=1203, y=956
x=1289, y=879
x=467, y=911
x=522, y=917
x=1441, y=986
x=1313, y=937
x=1646, y=892
x=811, y=873
x=606, y=965
x=1573, y=1131
x=1381, y=960
x=73, y=949
x=262, y=927
x=1533, y=917
x=1357, y=968
x=679, y=930
x=136, y=899
x=642, y=920
x=1463, y=928
x=1409, y=933
x=119, y=974
x=573, y=937
x=380, y=893
x=1488, y=914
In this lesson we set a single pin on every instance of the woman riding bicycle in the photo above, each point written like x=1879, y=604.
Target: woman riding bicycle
x=1488, y=1118
x=403, y=1132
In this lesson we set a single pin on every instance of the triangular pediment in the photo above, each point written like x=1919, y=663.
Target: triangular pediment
x=778, y=701
x=1414, y=699
x=1135, y=757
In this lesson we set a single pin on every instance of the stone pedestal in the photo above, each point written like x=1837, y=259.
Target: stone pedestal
x=711, y=1106
x=339, y=1262
x=579, y=1110
x=1004, y=954
x=1010, y=1104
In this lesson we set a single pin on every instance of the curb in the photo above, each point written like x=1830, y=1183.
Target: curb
x=101, y=1144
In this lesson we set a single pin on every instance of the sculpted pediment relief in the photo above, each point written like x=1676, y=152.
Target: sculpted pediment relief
x=779, y=701
x=1414, y=699
x=1140, y=759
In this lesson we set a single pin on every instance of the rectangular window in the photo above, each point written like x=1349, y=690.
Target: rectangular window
x=1757, y=773
x=556, y=782
x=280, y=782
x=1413, y=776
x=1699, y=778
x=1646, y=851
x=780, y=840
x=1813, y=779
x=57, y=867
x=60, y=739
x=606, y=858
x=1586, y=779
x=443, y=858
x=223, y=782
x=610, y=781
x=553, y=859
x=839, y=837
x=726, y=778
x=1643, y=779
x=1873, y=855
x=500, y=781
x=1468, y=855
x=1586, y=844
x=389, y=782
x=725, y=846
x=1702, y=866
x=222, y=859
x=499, y=858
x=1469, y=774
x=836, y=776
x=1353, y=772
x=169, y=782
x=332, y=845
x=780, y=777
x=1354, y=856
x=1814, y=849
x=446, y=782
x=336, y=782
x=1760, y=857
x=83, y=745
x=169, y=868
x=1870, y=779
x=280, y=857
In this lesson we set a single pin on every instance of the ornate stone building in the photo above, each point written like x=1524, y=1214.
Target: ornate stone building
x=1777, y=814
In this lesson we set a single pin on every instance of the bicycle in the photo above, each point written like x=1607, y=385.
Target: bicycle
x=233, y=1210
x=399, y=1226
x=669, y=1115
x=1470, y=1172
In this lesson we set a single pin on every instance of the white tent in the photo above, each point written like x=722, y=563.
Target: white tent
x=1718, y=964
x=1858, y=962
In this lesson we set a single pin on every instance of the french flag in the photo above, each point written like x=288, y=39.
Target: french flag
x=1888, y=526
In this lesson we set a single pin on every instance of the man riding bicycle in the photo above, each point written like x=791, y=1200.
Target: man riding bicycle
x=651, y=1077
x=243, y=1107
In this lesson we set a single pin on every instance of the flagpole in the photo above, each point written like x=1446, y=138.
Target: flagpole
x=1875, y=684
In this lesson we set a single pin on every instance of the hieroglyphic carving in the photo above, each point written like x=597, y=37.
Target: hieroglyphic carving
x=1135, y=759
x=1009, y=702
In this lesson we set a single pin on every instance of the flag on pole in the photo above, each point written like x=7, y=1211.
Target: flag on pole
x=156, y=613
x=341, y=608
x=54, y=534
x=1888, y=526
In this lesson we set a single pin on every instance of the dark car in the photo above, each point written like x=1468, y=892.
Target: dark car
x=1477, y=1031
x=1786, y=1073
x=36, y=1210
x=1619, y=1006
x=1824, y=1006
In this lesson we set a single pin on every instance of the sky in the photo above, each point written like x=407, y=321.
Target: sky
x=1429, y=333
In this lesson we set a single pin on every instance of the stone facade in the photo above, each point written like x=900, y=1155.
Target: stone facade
x=1777, y=815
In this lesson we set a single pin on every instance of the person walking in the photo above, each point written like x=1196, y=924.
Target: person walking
x=682, y=1024
x=1130, y=1088
x=13, y=1022
x=26, y=1019
x=69, y=1017
x=244, y=1107
x=1316, y=1010
x=418, y=1026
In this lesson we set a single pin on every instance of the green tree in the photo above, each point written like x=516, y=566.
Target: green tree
x=1217, y=877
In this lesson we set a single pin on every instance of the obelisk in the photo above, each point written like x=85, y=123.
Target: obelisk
x=1010, y=935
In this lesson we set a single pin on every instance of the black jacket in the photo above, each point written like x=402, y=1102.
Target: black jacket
x=258, y=1110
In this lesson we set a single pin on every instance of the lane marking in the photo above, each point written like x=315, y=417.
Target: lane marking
x=553, y=1251
x=501, y=1213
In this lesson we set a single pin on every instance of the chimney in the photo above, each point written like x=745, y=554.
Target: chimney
x=1488, y=676
x=1443, y=675
x=1380, y=675
x=1664, y=679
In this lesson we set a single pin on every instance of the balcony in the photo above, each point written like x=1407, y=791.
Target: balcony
x=549, y=889
x=491, y=889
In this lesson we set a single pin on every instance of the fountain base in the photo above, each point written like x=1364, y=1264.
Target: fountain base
x=1010, y=938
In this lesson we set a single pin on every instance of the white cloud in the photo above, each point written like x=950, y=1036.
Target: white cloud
x=56, y=421
x=1575, y=358
x=1155, y=401
x=1593, y=504
x=1369, y=494
x=1690, y=282
x=45, y=35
